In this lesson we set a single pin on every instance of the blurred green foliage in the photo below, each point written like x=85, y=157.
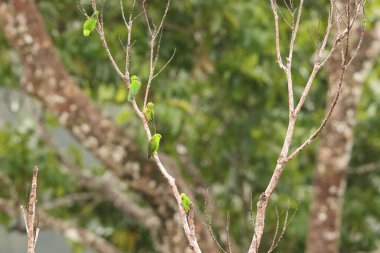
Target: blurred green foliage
x=223, y=97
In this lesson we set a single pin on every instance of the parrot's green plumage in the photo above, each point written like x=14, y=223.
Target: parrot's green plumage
x=149, y=112
x=185, y=201
x=134, y=88
x=90, y=24
x=153, y=144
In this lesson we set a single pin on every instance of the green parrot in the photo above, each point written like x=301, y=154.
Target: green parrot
x=185, y=201
x=149, y=112
x=90, y=24
x=134, y=88
x=153, y=144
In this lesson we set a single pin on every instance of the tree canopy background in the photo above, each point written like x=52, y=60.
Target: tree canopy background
x=221, y=102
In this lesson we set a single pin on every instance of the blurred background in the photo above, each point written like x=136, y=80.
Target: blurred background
x=222, y=108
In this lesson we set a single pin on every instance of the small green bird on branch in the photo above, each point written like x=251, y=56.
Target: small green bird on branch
x=134, y=88
x=185, y=201
x=90, y=24
x=154, y=143
x=149, y=114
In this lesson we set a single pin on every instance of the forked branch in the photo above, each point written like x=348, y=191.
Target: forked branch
x=155, y=33
x=344, y=24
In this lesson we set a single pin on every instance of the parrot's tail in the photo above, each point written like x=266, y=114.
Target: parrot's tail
x=130, y=97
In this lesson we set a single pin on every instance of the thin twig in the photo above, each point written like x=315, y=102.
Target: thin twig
x=100, y=30
x=23, y=212
x=284, y=18
x=272, y=247
x=277, y=33
x=81, y=8
x=334, y=100
x=166, y=64
x=213, y=236
x=287, y=221
x=36, y=237
x=122, y=14
x=147, y=18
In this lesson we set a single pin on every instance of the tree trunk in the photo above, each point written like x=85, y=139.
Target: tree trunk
x=45, y=78
x=336, y=143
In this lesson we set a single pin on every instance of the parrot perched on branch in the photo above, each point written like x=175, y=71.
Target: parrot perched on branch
x=185, y=201
x=134, y=88
x=153, y=144
x=149, y=112
x=90, y=24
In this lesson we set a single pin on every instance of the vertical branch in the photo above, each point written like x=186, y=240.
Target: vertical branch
x=317, y=62
x=277, y=33
x=288, y=70
x=191, y=224
x=32, y=235
x=153, y=52
x=228, y=232
x=128, y=24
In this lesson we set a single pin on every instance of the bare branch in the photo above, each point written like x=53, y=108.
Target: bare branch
x=294, y=35
x=353, y=56
x=228, y=232
x=284, y=18
x=342, y=34
x=171, y=182
x=192, y=226
x=272, y=247
x=153, y=56
x=290, y=7
x=277, y=32
x=81, y=8
x=157, y=55
x=122, y=14
x=284, y=158
x=151, y=32
x=345, y=62
x=163, y=17
x=289, y=59
x=23, y=212
x=166, y=64
x=32, y=211
x=317, y=64
x=36, y=237
x=209, y=226
x=287, y=221
x=129, y=38
x=316, y=42
x=100, y=30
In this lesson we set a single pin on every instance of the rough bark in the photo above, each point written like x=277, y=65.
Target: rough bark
x=335, y=147
x=45, y=78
